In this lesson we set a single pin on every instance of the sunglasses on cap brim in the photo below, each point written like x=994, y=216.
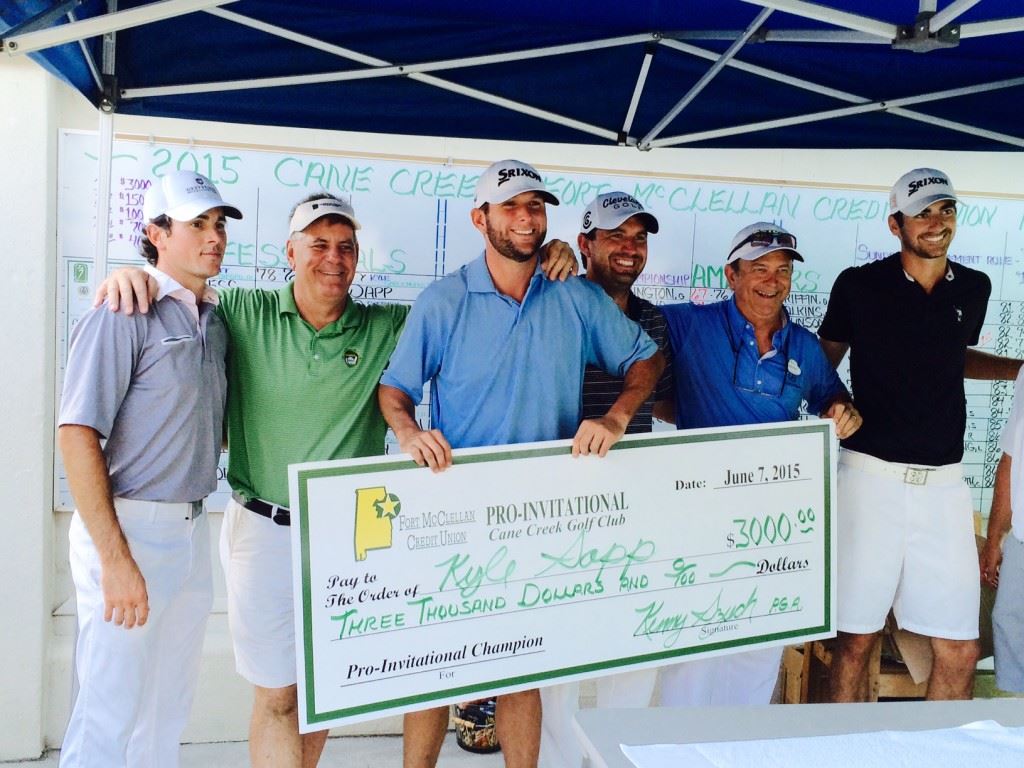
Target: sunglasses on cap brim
x=767, y=237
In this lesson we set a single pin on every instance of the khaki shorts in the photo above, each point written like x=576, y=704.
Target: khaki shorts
x=908, y=545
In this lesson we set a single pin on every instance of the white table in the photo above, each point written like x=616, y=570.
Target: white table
x=603, y=730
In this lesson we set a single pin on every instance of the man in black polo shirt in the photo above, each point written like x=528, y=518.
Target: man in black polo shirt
x=906, y=534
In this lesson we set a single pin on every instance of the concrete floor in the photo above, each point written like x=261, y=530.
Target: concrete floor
x=346, y=751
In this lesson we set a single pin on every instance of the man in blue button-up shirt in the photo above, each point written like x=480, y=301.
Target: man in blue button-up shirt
x=505, y=350
x=742, y=361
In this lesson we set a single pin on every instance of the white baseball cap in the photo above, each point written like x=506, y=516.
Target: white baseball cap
x=611, y=209
x=183, y=195
x=761, y=237
x=919, y=188
x=507, y=178
x=311, y=210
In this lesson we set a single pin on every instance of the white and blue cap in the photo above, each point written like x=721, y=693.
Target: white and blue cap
x=755, y=240
x=611, y=209
x=183, y=195
x=505, y=179
x=919, y=188
x=311, y=210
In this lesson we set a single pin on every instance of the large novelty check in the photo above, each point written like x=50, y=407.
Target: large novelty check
x=521, y=566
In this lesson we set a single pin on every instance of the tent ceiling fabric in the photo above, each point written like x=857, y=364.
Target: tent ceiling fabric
x=611, y=73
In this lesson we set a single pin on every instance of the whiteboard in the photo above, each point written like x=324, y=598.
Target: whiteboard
x=416, y=228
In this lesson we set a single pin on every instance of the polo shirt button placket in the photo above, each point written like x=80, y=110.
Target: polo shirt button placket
x=315, y=362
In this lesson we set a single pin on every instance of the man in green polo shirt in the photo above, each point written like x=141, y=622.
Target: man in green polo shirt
x=302, y=377
x=302, y=381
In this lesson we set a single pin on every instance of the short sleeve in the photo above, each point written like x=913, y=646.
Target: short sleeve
x=417, y=357
x=1010, y=438
x=666, y=386
x=104, y=349
x=823, y=383
x=986, y=291
x=616, y=341
x=838, y=323
x=678, y=318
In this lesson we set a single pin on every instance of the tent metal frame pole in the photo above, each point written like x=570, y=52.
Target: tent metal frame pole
x=31, y=42
x=638, y=89
x=831, y=16
x=875, y=106
x=952, y=125
x=436, y=82
x=90, y=62
x=949, y=13
x=770, y=74
x=810, y=85
x=708, y=76
x=106, y=155
x=385, y=69
x=783, y=36
x=995, y=27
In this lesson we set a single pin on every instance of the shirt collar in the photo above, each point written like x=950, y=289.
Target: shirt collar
x=738, y=323
x=168, y=286
x=478, y=277
x=949, y=274
x=349, y=318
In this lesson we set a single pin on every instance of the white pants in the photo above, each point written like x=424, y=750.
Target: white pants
x=559, y=747
x=136, y=685
x=739, y=680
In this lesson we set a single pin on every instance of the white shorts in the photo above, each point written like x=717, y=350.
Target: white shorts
x=1008, y=617
x=906, y=546
x=136, y=685
x=256, y=555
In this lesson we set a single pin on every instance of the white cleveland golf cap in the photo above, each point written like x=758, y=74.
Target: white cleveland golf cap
x=183, y=195
x=311, y=210
x=919, y=188
x=505, y=179
x=611, y=209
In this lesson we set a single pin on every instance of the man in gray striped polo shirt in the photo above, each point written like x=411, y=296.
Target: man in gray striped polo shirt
x=613, y=246
x=141, y=424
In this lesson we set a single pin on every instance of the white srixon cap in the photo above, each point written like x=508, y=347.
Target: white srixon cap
x=919, y=188
x=183, y=195
x=611, y=209
x=311, y=210
x=507, y=178
x=761, y=237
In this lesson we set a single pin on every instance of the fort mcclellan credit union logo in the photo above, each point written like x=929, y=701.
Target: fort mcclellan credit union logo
x=376, y=510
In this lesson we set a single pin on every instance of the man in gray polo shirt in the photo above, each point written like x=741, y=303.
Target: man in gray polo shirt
x=153, y=387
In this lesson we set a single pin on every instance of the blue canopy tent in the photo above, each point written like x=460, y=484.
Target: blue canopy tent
x=706, y=73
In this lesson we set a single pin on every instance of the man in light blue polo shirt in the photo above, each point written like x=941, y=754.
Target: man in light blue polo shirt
x=742, y=361
x=153, y=387
x=505, y=351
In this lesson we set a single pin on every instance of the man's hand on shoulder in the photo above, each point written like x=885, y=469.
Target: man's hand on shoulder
x=847, y=418
x=598, y=435
x=126, y=289
x=125, y=600
x=557, y=260
x=428, y=448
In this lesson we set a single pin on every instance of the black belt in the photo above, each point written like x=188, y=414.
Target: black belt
x=279, y=515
